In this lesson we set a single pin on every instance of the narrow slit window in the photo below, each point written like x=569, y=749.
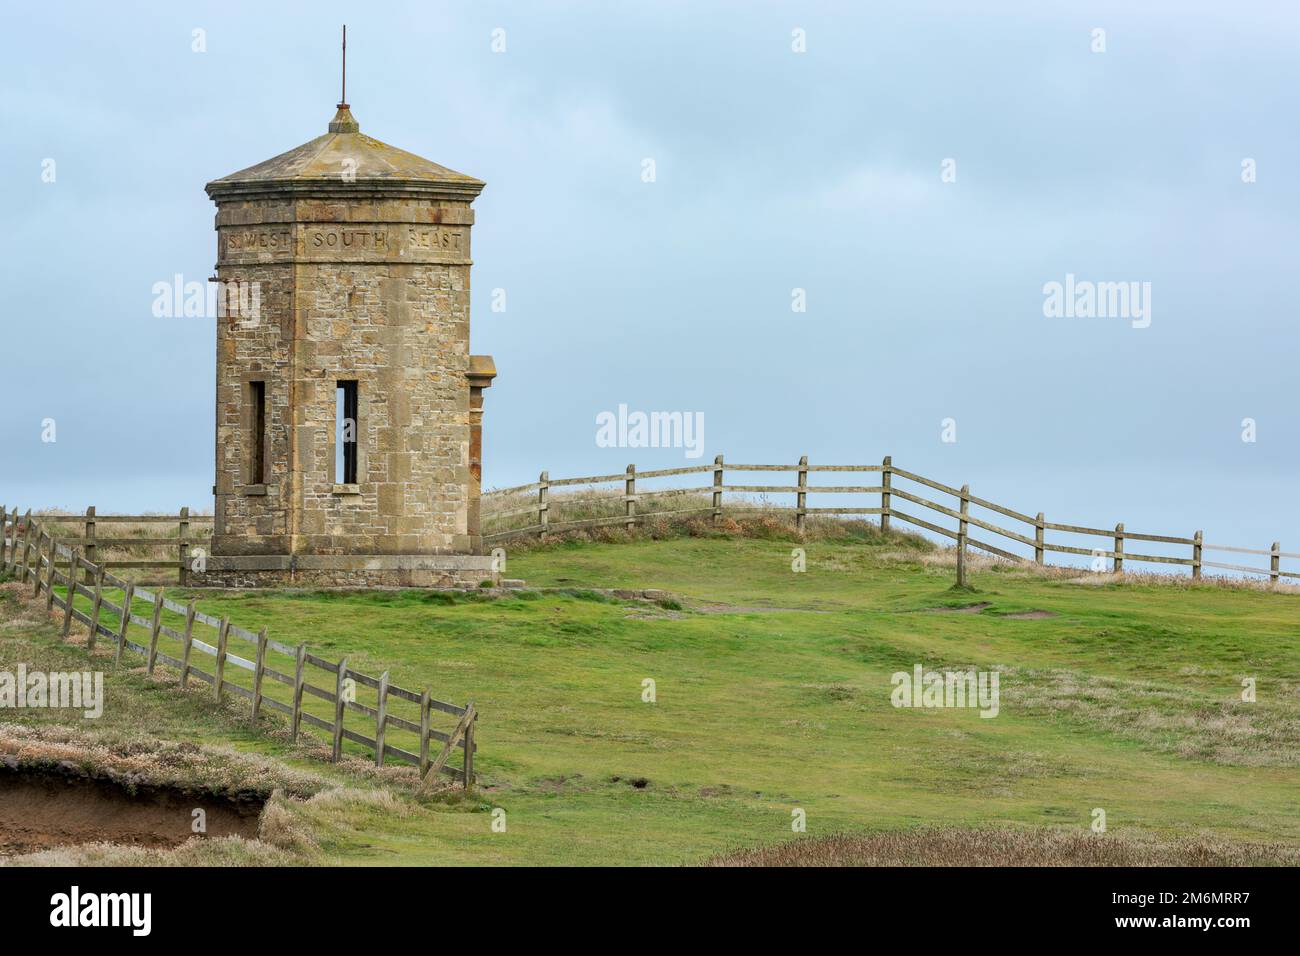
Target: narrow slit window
x=345, y=434
x=257, y=427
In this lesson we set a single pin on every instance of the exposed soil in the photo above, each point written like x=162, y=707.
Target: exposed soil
x=715, y=608
x=964, y=609
x=43, y=810
x=1035, y=615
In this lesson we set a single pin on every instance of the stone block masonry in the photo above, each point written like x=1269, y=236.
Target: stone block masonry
x=362, y=255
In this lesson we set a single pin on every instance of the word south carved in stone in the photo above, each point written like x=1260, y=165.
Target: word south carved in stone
x=348, y=238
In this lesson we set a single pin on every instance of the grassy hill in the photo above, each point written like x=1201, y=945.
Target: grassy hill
x=772, y=694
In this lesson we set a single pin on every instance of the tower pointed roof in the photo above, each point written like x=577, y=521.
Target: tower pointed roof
x=345, y=160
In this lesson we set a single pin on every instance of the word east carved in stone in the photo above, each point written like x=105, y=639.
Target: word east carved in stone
x=433, y=239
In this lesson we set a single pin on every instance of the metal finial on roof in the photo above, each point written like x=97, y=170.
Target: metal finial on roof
x=343, y=121
x=343, y=99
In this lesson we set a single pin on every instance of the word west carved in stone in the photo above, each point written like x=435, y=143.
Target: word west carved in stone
x=259, y=239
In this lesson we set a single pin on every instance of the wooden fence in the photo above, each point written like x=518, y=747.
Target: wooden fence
x=636, y=504
x=166, y=546
x=34, y=553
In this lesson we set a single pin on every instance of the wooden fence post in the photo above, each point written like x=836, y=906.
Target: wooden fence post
x=27, y=545
x=36, y=559
x=74, y=565
x=962, y=526
x=543, y=504
x=94, y=611
x=154, y=624
x=962, y=529
x=1275, y=563
x=223, y=635
x=1197, y=545
x=92, y=551
x=1118, y=566
x=1038, y=538
x=296, y=719
x=629, y=498
x=801, y=500
x=424, y=732
x=381, y=719
x=259, y=672
x=886, y=471
x=717, y=489
x=4, y=537
x=187, y=643
x=466, y=720
x=14, y=553
x=184, y=548
x=469, y=751
x=338, y=710
x=124, y=623
x=49, y=582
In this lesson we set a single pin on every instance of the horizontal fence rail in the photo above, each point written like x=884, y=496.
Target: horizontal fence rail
x=635, y=504
x=30, y=550
x=144, y=543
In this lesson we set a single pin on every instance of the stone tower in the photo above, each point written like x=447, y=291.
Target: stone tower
x=348, y=405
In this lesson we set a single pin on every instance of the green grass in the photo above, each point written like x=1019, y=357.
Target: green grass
x=773, y=693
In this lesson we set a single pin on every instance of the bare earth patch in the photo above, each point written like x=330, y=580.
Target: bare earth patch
x=963, y=609
x=1006, y=847
x=714, y=608
x=43, y=810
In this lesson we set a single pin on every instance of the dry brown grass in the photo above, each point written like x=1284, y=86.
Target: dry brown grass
x=150, y=540
x=976, y=562
x=950, y=846
x=765, y=521
x=200, y=851
x=300, y=808
x=135, y=760
x=762, y=519
x=1186, y=719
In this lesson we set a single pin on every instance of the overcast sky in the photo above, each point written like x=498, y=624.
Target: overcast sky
x=775, y=170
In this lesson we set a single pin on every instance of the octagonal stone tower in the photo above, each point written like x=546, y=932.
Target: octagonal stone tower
x=348, y=405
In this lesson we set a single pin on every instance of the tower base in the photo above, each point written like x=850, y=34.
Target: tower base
x=346, y=571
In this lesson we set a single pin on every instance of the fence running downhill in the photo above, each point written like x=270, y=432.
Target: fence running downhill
x=639, y=505
x=37, y=557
